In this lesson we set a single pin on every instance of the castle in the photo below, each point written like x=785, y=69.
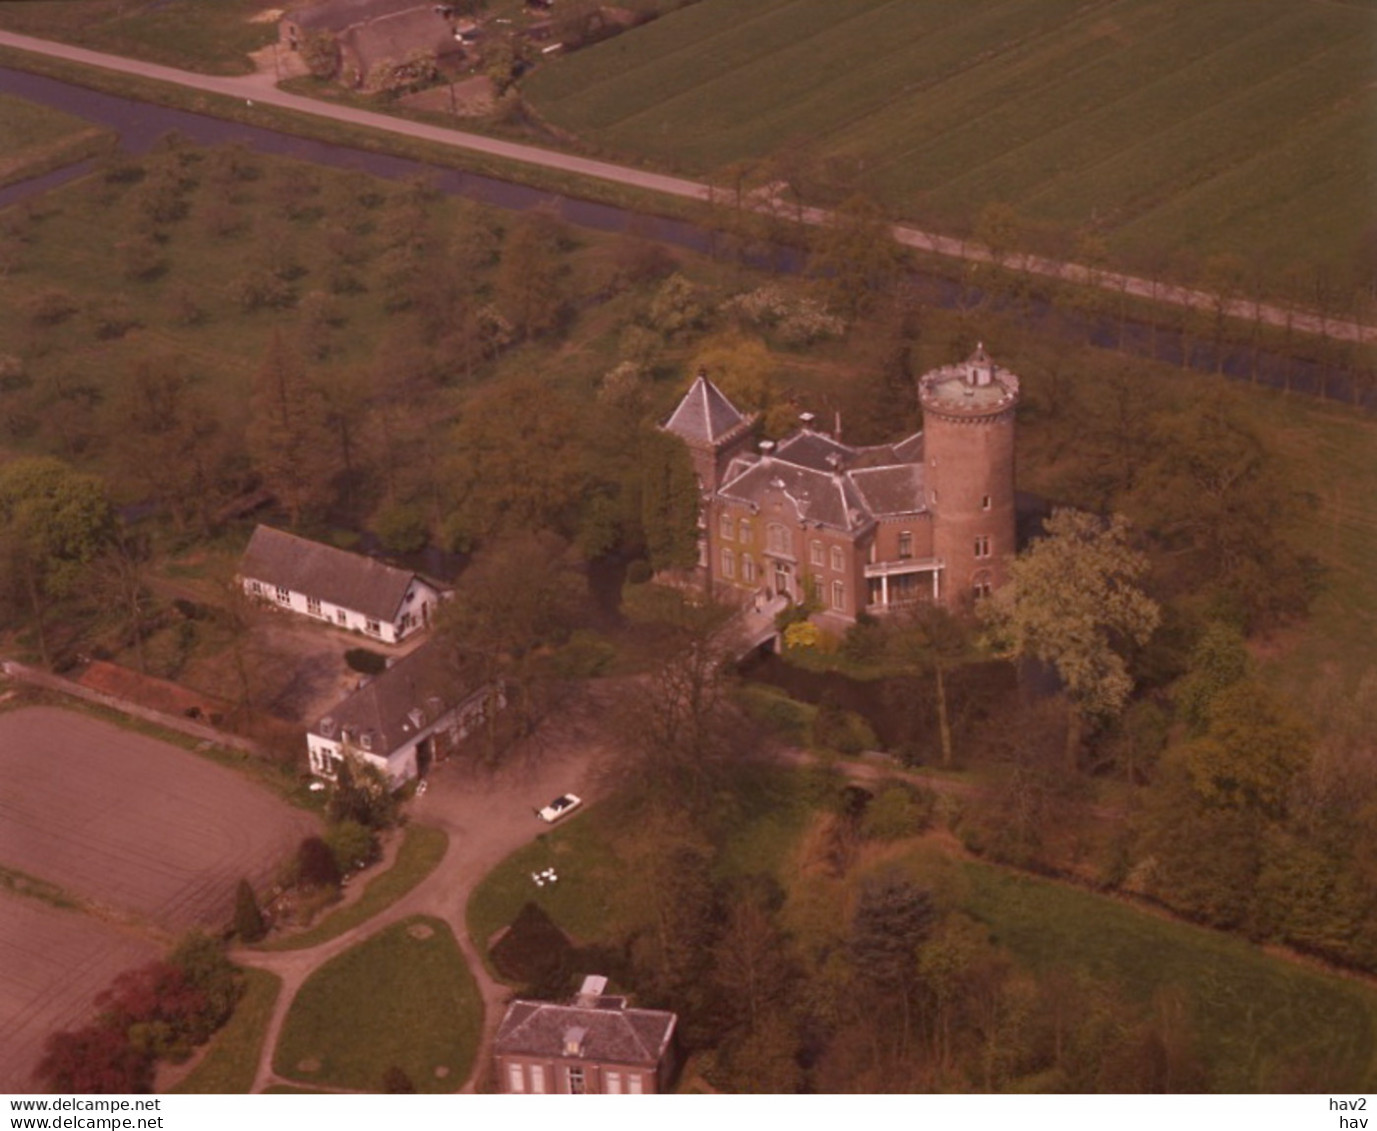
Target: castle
x=859, y=529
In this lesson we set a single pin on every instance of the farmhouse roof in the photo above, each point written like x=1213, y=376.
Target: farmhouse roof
x=613, y=1032
x=387, y=711
x=391, y=38
x=705, y=415
x=347, y=580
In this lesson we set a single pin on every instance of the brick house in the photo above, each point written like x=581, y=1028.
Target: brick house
x=346, y=590
x=860, y=529
x=596, y=1044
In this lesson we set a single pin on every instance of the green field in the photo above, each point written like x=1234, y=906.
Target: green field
x=212, y=37
x=35, y=139
x=1199, y=127
x=1250, y=1013
x=402, y=998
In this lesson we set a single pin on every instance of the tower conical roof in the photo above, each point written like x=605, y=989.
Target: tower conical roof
x=704, y=415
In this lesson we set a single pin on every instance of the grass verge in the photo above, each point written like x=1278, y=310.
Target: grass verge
x=231, y=1063
x=422, y=850
x=403, y=998
x=15, y=882
x=36, y=139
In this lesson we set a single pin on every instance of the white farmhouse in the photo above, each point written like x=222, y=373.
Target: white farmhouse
x=402, y=721
x=347, y=590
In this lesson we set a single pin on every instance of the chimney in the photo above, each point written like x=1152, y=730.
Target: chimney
x=575, y=1038
x=594, y=986
x=807, y=418
x=767, y=448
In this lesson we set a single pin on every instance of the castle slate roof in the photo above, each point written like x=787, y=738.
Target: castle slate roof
x=388, y=710
x=831, y=483
x=347, y=580
x=612, y=1031
x=704, y=415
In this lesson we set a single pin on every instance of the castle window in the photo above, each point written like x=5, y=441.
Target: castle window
x=838, y=558
x=980, y=585
x=728, y=564
x=905, y=544
x=815, y=553
x=779, y=539
x=703, y=552
x=838, y=595
x=724, y=525
x=576, y=1082
x=985, y=503
x=284, y=595
x=982, y=546
x=313, y=606
x=743, y=534
x=516, y=1078
x=255, y=587
x=747, y=567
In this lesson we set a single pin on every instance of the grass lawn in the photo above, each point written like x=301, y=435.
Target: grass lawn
x=402, y=998
x=593, y=902
x=1194, y=128
x=1250, y=1012
x=232, y=1061
x=215, y=38
x=36, y=139
x=422, y=850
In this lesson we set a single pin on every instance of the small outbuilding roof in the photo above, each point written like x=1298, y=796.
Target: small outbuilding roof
x=349, y=581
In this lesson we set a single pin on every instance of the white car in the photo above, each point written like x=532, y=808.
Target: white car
x=559, y=807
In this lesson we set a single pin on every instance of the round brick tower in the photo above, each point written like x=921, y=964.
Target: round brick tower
x=968, y=452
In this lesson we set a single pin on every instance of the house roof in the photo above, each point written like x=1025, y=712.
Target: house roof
x=831, y=483
x=387, y=711
x=612, y=1031
x=392, y=37
x=347, y=580
x=705, y=415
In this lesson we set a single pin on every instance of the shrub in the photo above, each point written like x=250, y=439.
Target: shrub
x=248, y=918
x=98, y=1059
x=402, y=528
x=353, y=845
x=835, y=728
x=533, y=951
x=366, y=661
x=315, y=864
x=585, y=655
x=898, y=811
x=638, y=572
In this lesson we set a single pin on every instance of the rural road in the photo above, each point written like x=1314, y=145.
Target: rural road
x=261, y=89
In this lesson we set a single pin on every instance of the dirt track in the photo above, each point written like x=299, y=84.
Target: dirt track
x=133, y=823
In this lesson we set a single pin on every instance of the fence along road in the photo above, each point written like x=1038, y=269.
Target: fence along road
x=261, y=88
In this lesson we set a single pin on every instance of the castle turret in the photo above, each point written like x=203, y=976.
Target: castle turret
x=968, y=449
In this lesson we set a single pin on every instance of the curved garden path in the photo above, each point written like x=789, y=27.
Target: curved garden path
x=487, y=816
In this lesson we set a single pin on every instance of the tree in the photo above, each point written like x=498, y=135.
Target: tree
x=361, y=793
x=98, y=1059
x=1072, y=600
x=855, y=255
x=1218, y=661
x=669, y=502
x=528, y=285
x=1252, y=750
x=893, y=917
x=316, y=867
x=285, y=433
x=53, y=524
x=927, y=637
x=248, y=917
